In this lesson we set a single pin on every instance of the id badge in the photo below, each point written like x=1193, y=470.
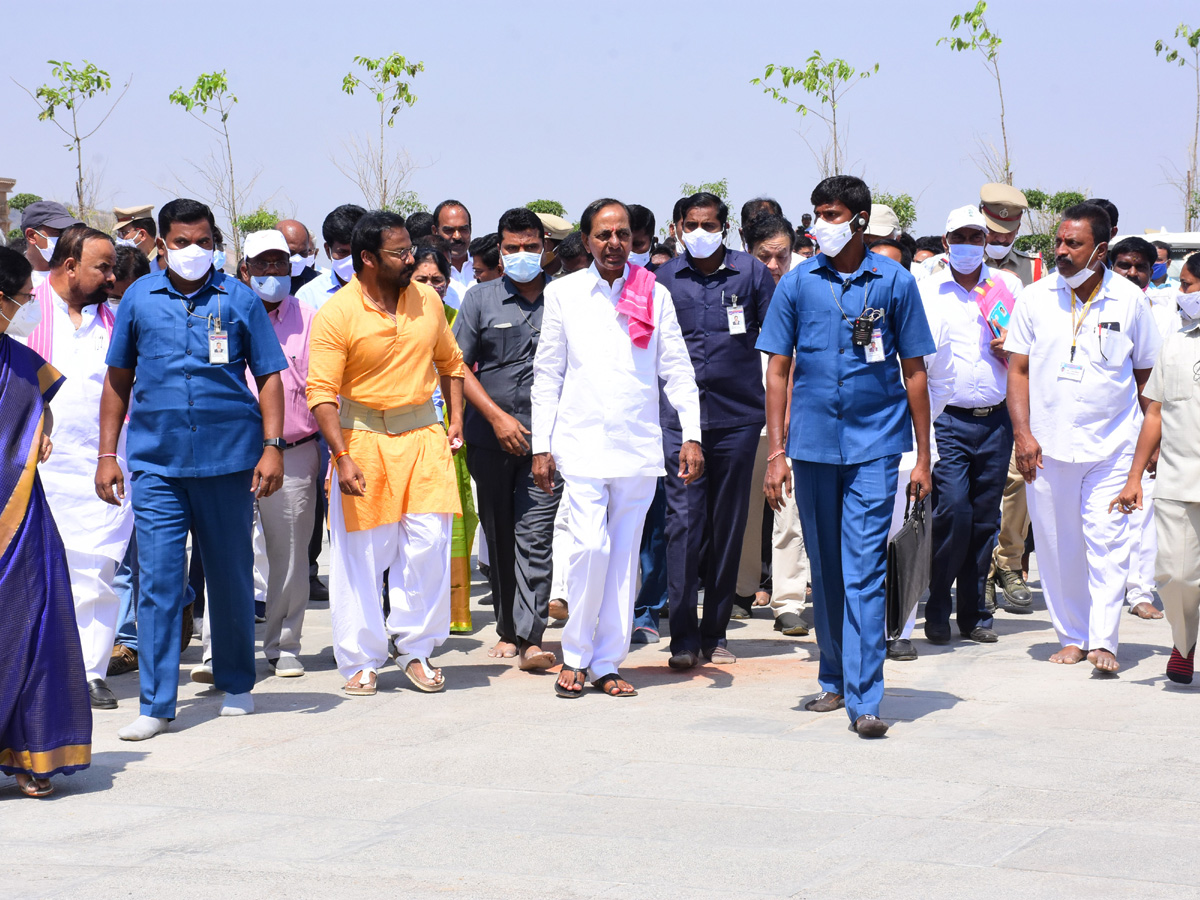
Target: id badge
x=1070, y=372
x=737, y=319
x=218, y=348
x=875, y=348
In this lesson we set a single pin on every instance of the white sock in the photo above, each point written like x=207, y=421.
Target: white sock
x=237, y=704
x=143, y=728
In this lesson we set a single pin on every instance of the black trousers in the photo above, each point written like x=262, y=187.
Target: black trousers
x=706, y=521
x=518, y=519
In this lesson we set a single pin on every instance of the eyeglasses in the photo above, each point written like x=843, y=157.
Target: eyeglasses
x=263, y=267
x=16, y=297
x=399, y=254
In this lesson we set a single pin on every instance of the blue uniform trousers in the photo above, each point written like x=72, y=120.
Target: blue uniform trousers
x=968, y=481
x=706, y=522
x=652, y=596
x=845, y=512
x=221, y=511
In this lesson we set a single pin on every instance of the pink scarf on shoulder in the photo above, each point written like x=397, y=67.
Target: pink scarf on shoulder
x=41, y=339
x=637, y=302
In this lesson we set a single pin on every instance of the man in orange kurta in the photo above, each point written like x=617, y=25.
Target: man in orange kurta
x=378, y=349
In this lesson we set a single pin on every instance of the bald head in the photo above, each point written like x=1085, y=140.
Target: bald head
x=297, y=237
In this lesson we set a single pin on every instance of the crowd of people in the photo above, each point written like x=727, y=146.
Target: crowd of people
x=650, y=425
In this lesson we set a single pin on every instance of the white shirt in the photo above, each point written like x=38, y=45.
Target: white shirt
x=87, y=524
x=939, y=376
x=464, y=276
x=317, y=292
x=1095, y=418
x=1163, y=295
x=980, y=379
x=595, y=395
x=38, y=277
x=455, y=291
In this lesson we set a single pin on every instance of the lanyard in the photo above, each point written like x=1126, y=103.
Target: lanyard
x=1076, y=324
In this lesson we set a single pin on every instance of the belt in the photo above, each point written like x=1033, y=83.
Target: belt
x=303, y=440
x=978, y=411
x=399, y=420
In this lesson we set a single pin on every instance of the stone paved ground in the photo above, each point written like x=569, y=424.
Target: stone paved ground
x=1002, y=776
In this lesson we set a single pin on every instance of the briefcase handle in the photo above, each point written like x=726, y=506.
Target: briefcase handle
x=911, y=509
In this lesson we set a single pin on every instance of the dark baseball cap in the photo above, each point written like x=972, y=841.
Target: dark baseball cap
x=47, y=214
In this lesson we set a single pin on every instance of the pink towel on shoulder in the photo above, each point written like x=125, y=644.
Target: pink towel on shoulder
x=637, y=302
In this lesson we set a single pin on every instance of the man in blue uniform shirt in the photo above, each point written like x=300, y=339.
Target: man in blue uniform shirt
x=847, y=315
x=721, y=298
x=200, y=449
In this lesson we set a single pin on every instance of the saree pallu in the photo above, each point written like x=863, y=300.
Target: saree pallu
x=45, y=711
x=463, y=536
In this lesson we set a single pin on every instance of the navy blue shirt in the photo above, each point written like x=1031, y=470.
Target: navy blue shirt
x=845, y=410
x=189, y=418
x=728, y=367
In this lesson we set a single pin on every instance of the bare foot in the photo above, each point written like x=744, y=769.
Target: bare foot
x=1146, y=610
x=1103, y=660
x=762, y=598
x=534, y=657
x=558, y=609
x=503, y=650
x=1068, y=656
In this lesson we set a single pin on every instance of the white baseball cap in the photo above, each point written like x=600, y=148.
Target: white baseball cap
x=261, y=241
x=965, y=217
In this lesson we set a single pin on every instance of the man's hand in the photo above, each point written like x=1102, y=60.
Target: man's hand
x=47, y=446
x=778, y=483
x=1152, y=463
x=1029, y=455
x=110, y=483
x=997, y=345
x=268, y=474
x=920, y=482
x=1129, y=499
x=350, y=477
x=544, y=471
x=691, y=461
x=511, y=434
x=454, y=435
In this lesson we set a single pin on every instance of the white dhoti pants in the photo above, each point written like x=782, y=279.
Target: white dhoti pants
x=1143, y=548
x=1178, y=569
x=1082, y=548
x=604, y=523
x=96, y=607
x=417, y=551
x=559, y=549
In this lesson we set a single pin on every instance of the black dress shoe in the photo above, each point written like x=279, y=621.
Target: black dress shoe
x=981, y=635
x=741, y=607
x=937, y=634
x=791, y=624
x=101, y=696
x=901, y=650
x=317, y=592
x=684, y=660
x=869, y=726
x=826, y=701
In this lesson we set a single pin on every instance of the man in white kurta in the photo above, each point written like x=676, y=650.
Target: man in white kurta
x=77, y=323
x=1083, y=342
x=595, y=417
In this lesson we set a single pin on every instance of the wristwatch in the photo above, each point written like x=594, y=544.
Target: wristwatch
x=278, y=443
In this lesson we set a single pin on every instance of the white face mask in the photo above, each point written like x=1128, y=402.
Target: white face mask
x=641, y=259
x=831, y=238
x=300, y=263
x=1189, y=304
x=28, y=317
x=523, y=266
x=48, y=250
x=191, y=263
x=997, y=251
x=1076, y=280
x=271, y=288
x=965, y=258
x=343, y=268
x=702, y=244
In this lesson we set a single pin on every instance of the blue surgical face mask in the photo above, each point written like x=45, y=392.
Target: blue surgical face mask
x=219, y=260
x=1159, y=271
x=522, y=267
x=966, y=258
x=271, y=288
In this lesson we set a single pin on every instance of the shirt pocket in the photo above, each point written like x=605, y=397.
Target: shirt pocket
x=237, y=340
x=813, y=334
x=156, y=338
x=1115, y=348
x=1179, y=377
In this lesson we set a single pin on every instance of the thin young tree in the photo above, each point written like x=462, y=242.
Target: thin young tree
x=828, y=81
x=1189, y=183
x=974, y=35
x=76, y=86
x=379, y=173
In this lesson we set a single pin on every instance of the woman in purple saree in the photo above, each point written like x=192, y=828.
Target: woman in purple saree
x=45, y=713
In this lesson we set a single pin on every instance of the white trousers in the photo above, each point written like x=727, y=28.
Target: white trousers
x=1143, y=548
x=559, y=549
x=417, y=551
x=1178, y=569
x=96, y=608
x=790, y=570
x=1082, y=548
x=604, y=524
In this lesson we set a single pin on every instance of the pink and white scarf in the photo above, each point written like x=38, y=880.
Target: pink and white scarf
x=41, y=339
x=637, y=302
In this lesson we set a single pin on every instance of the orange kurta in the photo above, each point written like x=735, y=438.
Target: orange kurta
x=358, y=353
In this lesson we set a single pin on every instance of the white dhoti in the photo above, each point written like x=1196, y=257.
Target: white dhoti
x=1082, y=548
x=1178, y=569
x=96, y=607
x=417, y=551
x=604, y=524
x=1143, y=548
x=559, y=549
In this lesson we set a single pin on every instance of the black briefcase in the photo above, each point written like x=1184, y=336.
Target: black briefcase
x=909, y=561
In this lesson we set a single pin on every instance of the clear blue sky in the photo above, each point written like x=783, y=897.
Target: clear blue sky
x=573, y=102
